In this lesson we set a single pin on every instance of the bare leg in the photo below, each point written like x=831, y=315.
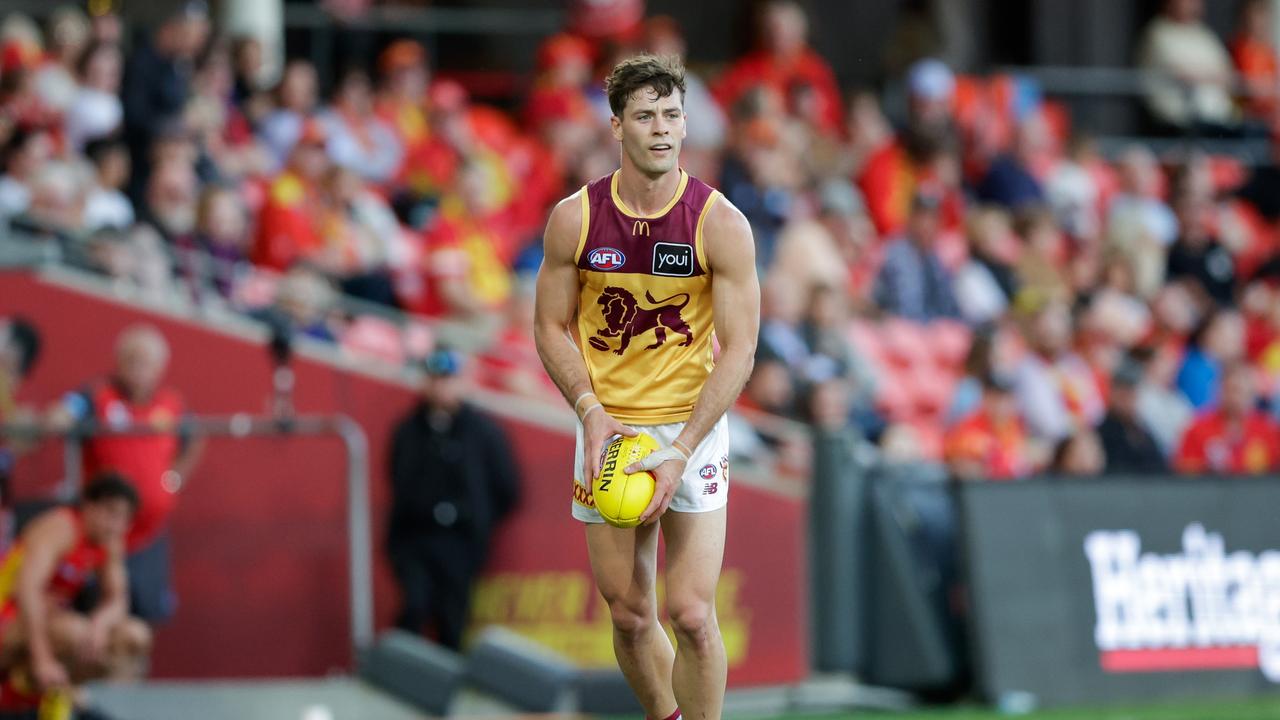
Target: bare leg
x=695, y=550
x=625, y=566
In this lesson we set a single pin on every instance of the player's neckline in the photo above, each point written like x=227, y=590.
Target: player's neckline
x=622, y=206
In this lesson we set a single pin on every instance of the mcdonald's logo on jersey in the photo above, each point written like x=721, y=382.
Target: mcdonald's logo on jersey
x=640, y=227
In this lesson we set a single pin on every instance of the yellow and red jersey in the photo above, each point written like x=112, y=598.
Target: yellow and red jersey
x=73, y=570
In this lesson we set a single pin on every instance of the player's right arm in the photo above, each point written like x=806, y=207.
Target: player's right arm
x=48, y=538
x=555, y=303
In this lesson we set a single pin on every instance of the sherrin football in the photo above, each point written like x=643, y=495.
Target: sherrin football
x=620, y=498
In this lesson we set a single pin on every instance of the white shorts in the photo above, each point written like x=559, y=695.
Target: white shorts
x=704, y=487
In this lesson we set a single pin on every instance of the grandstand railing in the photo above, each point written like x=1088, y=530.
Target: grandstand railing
x=243, y=425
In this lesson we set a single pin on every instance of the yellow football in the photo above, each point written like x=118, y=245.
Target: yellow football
x=621, y=497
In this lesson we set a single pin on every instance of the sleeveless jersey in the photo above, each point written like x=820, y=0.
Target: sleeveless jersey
x=71, y=573
x=644, y=310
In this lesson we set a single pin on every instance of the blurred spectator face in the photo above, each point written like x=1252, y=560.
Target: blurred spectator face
x=304, y=297
x=1139, y=173
x=247, y=58
x=565, y=61
x=193, y=33
x=663, y=36
x=1224, y=339
x=826, y=307
x=1033, y=143
x=142, y=355
x=404, y=70
x=57, y=196
x=1051, y=330
x=784, y=28
x=1184, y=11
x=1175, y=309
x=1124, y=400
x=991, y=235
x=476, y=189
x=1082, y=455
x=444, y=392
x=106, y=27
x=651, y=129
x=69, y=33
x=829, y=405
x=1239, y=394
x=35, y=150
x=298, y=87
x=171, y=196
x=222, y=218
x=355, y=94
x=770, y=387
x=931, y=87
x=923, y=223
x=1193, y=219
x=101, y=69
x=867, y=125
x=309, y=159
x=781, y=302
x=113, y=167
x=1255, y=20
x=342, y=186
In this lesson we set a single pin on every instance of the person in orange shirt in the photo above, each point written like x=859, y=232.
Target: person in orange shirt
x=1234, y=438
x=991, y=443
x=1255, y=59
x=287, y=224
x=785, y=62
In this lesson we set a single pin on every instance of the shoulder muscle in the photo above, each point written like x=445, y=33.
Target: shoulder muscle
x=564, y=227
x=727, y=236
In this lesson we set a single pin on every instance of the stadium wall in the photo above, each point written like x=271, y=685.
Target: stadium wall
x=260, y=554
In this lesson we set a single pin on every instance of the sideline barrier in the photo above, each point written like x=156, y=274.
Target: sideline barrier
x=1124, y=589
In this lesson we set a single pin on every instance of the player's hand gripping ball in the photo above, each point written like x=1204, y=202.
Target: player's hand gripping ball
x=621, y=498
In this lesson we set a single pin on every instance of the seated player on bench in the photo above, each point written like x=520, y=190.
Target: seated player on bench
x=45, y=645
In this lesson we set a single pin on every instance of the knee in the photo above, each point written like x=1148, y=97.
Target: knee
x=691, y=618
x=631, y=616
x=132, y=637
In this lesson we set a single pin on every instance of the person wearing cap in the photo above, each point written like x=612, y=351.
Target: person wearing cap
x=1127, y=444
x=453, y=480
x=913, y=283
x=990, y=443
x=288, y=222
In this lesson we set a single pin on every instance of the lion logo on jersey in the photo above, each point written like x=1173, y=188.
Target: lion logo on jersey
x=625, y=318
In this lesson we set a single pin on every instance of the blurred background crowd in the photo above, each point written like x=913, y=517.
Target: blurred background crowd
x=950, y=267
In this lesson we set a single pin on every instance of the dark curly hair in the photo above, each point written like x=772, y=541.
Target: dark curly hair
x=664, y=74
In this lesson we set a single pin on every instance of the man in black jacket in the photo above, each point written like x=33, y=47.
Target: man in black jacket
x=453, y=478
x=1128, y=445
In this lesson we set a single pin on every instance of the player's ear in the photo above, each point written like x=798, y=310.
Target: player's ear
x=615, y=125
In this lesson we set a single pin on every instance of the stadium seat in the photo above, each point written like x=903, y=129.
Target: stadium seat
x=373, y=337
x=421, y=673
x=949, y=340
x=520, y=672
x=419, y=340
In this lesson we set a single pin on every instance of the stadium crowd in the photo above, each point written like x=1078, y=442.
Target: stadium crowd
x=970, y=281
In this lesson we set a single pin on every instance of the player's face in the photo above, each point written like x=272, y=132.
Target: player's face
x=107, y=521
x=651, y=129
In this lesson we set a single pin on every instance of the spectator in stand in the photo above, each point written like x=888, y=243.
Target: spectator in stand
x=55, y=79
x=1236, y=437
x=158, y=464
x=1139, y=223
x=453, y=481
x=295, y=104
x=248, y=92
x=105, y=204
x=364, y=240
x=1126, y=443
x=95, y=111
x=827, y=249
x=303, y=305
x=157, y=83
x=402, y=97
x=1043, y=268
x=1056, y=390
x=56, y=209
x=992, y=442
x=987, y=282
x=224, y=138
x=24, y=153
x=833, y=357
x=1013, y=179
x=216, y=255
x=172, y=197
x=1218, y=342
x=760, y=173
x=560, y=90
x=1197, y=96
x=288, y=221
x=1197, y=255
x=784, y=61
x=359, y=140
x=1255, y=59
x=1080, y=455
x=1162, y=408
x=913, y=283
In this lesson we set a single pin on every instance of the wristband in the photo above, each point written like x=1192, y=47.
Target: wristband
x=579, y=400
x=588, y=411
x=683, y=448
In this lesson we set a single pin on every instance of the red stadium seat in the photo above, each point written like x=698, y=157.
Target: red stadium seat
x=950, y=342
x=373, y=337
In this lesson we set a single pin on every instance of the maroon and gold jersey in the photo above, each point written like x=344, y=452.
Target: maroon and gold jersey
x=644, y=311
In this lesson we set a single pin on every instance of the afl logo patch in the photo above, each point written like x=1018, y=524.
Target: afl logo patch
x=707, y=472
x=606, y=259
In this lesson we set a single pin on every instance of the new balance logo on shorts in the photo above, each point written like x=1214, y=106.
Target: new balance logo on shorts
x=710, y=488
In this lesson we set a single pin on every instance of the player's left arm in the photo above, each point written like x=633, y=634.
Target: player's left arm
x=735, y=303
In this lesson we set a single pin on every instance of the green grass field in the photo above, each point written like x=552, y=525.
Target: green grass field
x=1256, y=709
